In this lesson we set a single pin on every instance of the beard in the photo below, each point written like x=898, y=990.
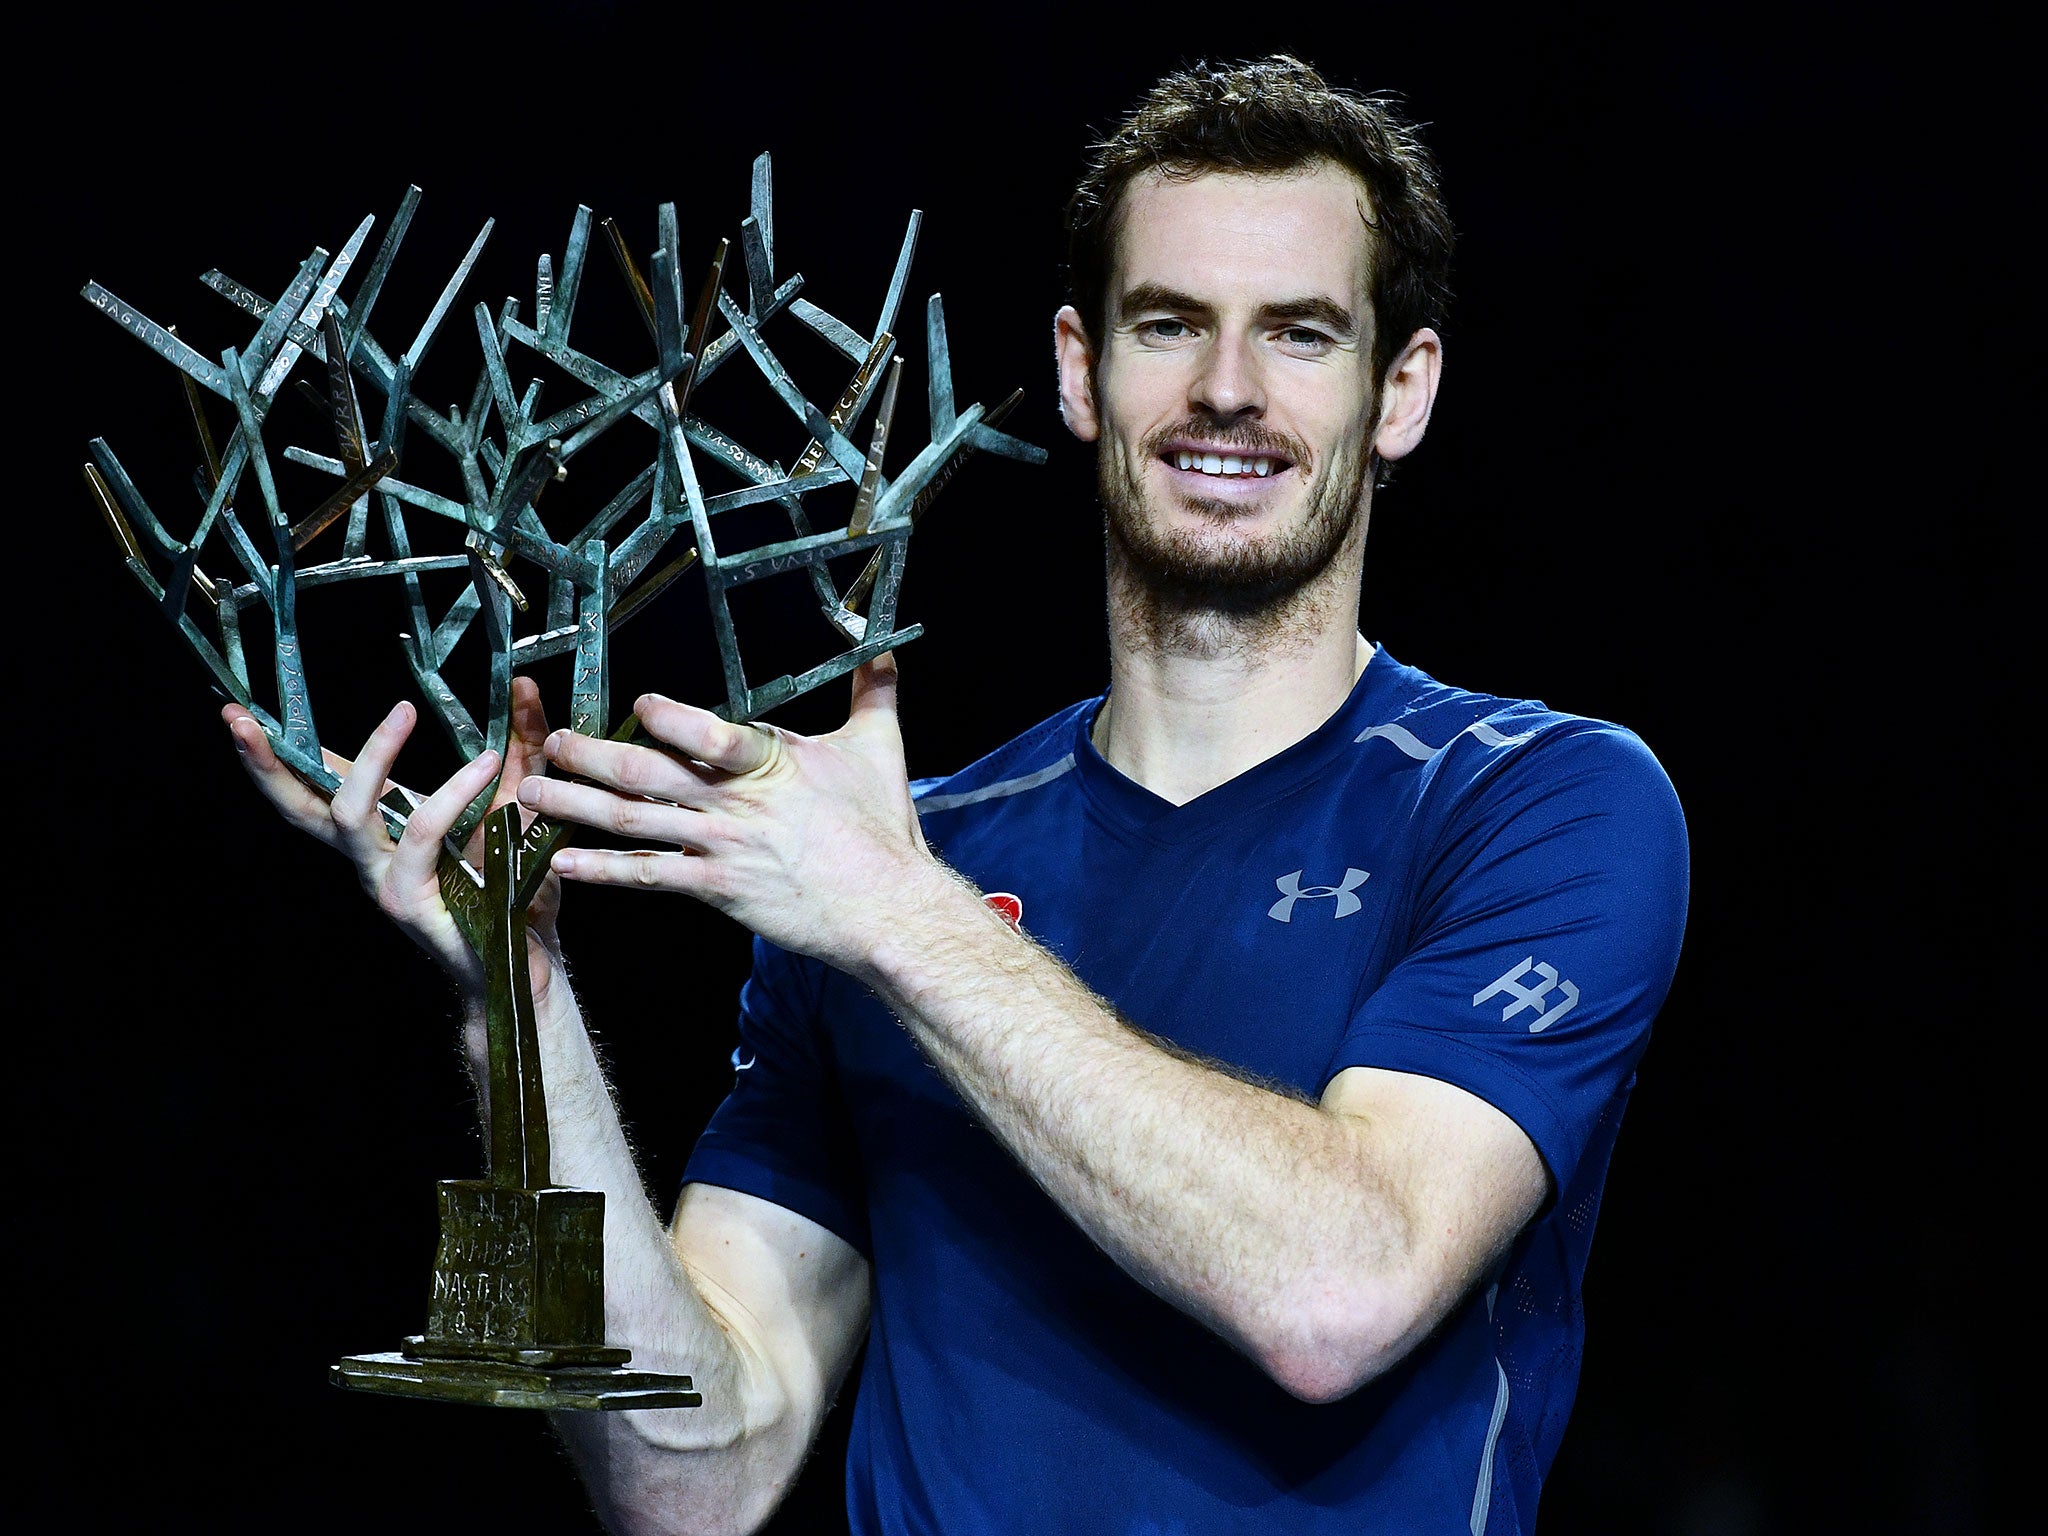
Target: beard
x=1186, y=590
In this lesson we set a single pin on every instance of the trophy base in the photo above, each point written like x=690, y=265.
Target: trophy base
x=543, y=1357
x=504, y=1384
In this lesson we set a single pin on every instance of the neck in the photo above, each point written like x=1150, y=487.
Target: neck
x=1197, y=698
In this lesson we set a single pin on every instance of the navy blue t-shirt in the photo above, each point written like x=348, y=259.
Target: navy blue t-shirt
x=1475, y=889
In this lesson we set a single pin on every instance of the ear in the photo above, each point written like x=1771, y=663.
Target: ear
x=1408, y=394
x=1077, y=381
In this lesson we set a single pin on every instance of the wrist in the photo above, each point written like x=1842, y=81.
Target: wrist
x=547, y=979
x=935, y=912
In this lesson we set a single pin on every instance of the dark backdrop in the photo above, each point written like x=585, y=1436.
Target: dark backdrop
x=1709, y=460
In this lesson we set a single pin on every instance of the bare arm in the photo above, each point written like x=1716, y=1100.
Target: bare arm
x=1324, y=1240
x=764, y=1308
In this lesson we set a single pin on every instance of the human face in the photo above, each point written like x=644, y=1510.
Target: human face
x=1232, y=390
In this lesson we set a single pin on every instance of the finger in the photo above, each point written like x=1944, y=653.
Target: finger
x=354, y=807
x=529, y=729
x=710, y=740
x=682, y=873
x=275, y=782
x=627, y=815
x=648, y=772
x=413, y=861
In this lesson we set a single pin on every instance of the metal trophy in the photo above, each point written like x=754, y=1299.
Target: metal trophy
x=516, y=1316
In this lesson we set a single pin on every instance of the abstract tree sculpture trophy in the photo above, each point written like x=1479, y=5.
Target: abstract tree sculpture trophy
x=517, y=1310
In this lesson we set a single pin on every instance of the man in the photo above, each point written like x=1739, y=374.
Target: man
x=1246, y=1181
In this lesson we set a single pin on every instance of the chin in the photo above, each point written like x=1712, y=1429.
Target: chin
x=1226, y=538
x=1230, y=533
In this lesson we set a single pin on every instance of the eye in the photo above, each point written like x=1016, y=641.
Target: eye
x=1303, y=337
x=1165, y=328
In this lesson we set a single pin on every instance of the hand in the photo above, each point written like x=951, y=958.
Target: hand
x=400, y=875
x=808, y=841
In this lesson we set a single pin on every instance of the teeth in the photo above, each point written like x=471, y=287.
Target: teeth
x=1222, y=463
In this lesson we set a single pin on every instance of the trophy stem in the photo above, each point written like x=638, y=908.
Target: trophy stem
x=517, y=1098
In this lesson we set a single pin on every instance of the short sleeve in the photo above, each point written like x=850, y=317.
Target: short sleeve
x=784, y=1133
x=1544, y=936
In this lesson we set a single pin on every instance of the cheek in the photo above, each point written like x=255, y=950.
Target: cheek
x=1139, y=396
x=1340, y=432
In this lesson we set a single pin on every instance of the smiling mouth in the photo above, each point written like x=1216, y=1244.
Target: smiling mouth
x=1226, y=466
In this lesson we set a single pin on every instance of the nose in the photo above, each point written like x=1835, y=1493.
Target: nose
x=1229, y=383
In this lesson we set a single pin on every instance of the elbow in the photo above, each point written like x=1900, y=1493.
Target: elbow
x=679, y=1512
x=1324, y=1348
x=1325, y=1373
x=662, y=1472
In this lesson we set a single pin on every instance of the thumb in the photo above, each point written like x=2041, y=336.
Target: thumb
x=875, y=709
x=874, y=694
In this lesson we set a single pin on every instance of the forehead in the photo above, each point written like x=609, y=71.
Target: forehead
x=1225, y=236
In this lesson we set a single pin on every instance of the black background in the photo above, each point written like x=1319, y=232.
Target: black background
x=1711, y=459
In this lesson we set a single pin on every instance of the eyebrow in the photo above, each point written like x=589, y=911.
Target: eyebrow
x=1325, y=312
x=1156, y=296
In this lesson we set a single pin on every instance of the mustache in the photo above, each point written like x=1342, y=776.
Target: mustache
x=1244, y=435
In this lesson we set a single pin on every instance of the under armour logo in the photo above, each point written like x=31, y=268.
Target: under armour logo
x=1282, y=911
x=737, y=1064
x=1532, y=997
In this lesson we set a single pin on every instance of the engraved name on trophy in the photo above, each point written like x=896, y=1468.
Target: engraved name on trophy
x=516, y=1314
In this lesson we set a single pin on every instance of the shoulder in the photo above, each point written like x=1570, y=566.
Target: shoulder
x=1513, y=788
x=1467, y=745
x=1037, y=757
x=1542, y=840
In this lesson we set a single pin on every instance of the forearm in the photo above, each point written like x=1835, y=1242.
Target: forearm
x=1266, y=1218
x=716, y=1467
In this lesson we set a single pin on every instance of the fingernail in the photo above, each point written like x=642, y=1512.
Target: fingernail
x=529, y=792
x=553, y=742
x=241, y=746
x=564, y=864
x=488, y=757
x=397, y=713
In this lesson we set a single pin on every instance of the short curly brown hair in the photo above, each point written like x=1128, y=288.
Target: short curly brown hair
x=1273, y=115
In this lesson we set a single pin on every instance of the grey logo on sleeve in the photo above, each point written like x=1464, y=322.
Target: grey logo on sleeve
x=1290, y=888
x=1532, y=997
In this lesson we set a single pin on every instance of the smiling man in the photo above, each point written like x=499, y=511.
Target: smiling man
x=1200, y=1106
